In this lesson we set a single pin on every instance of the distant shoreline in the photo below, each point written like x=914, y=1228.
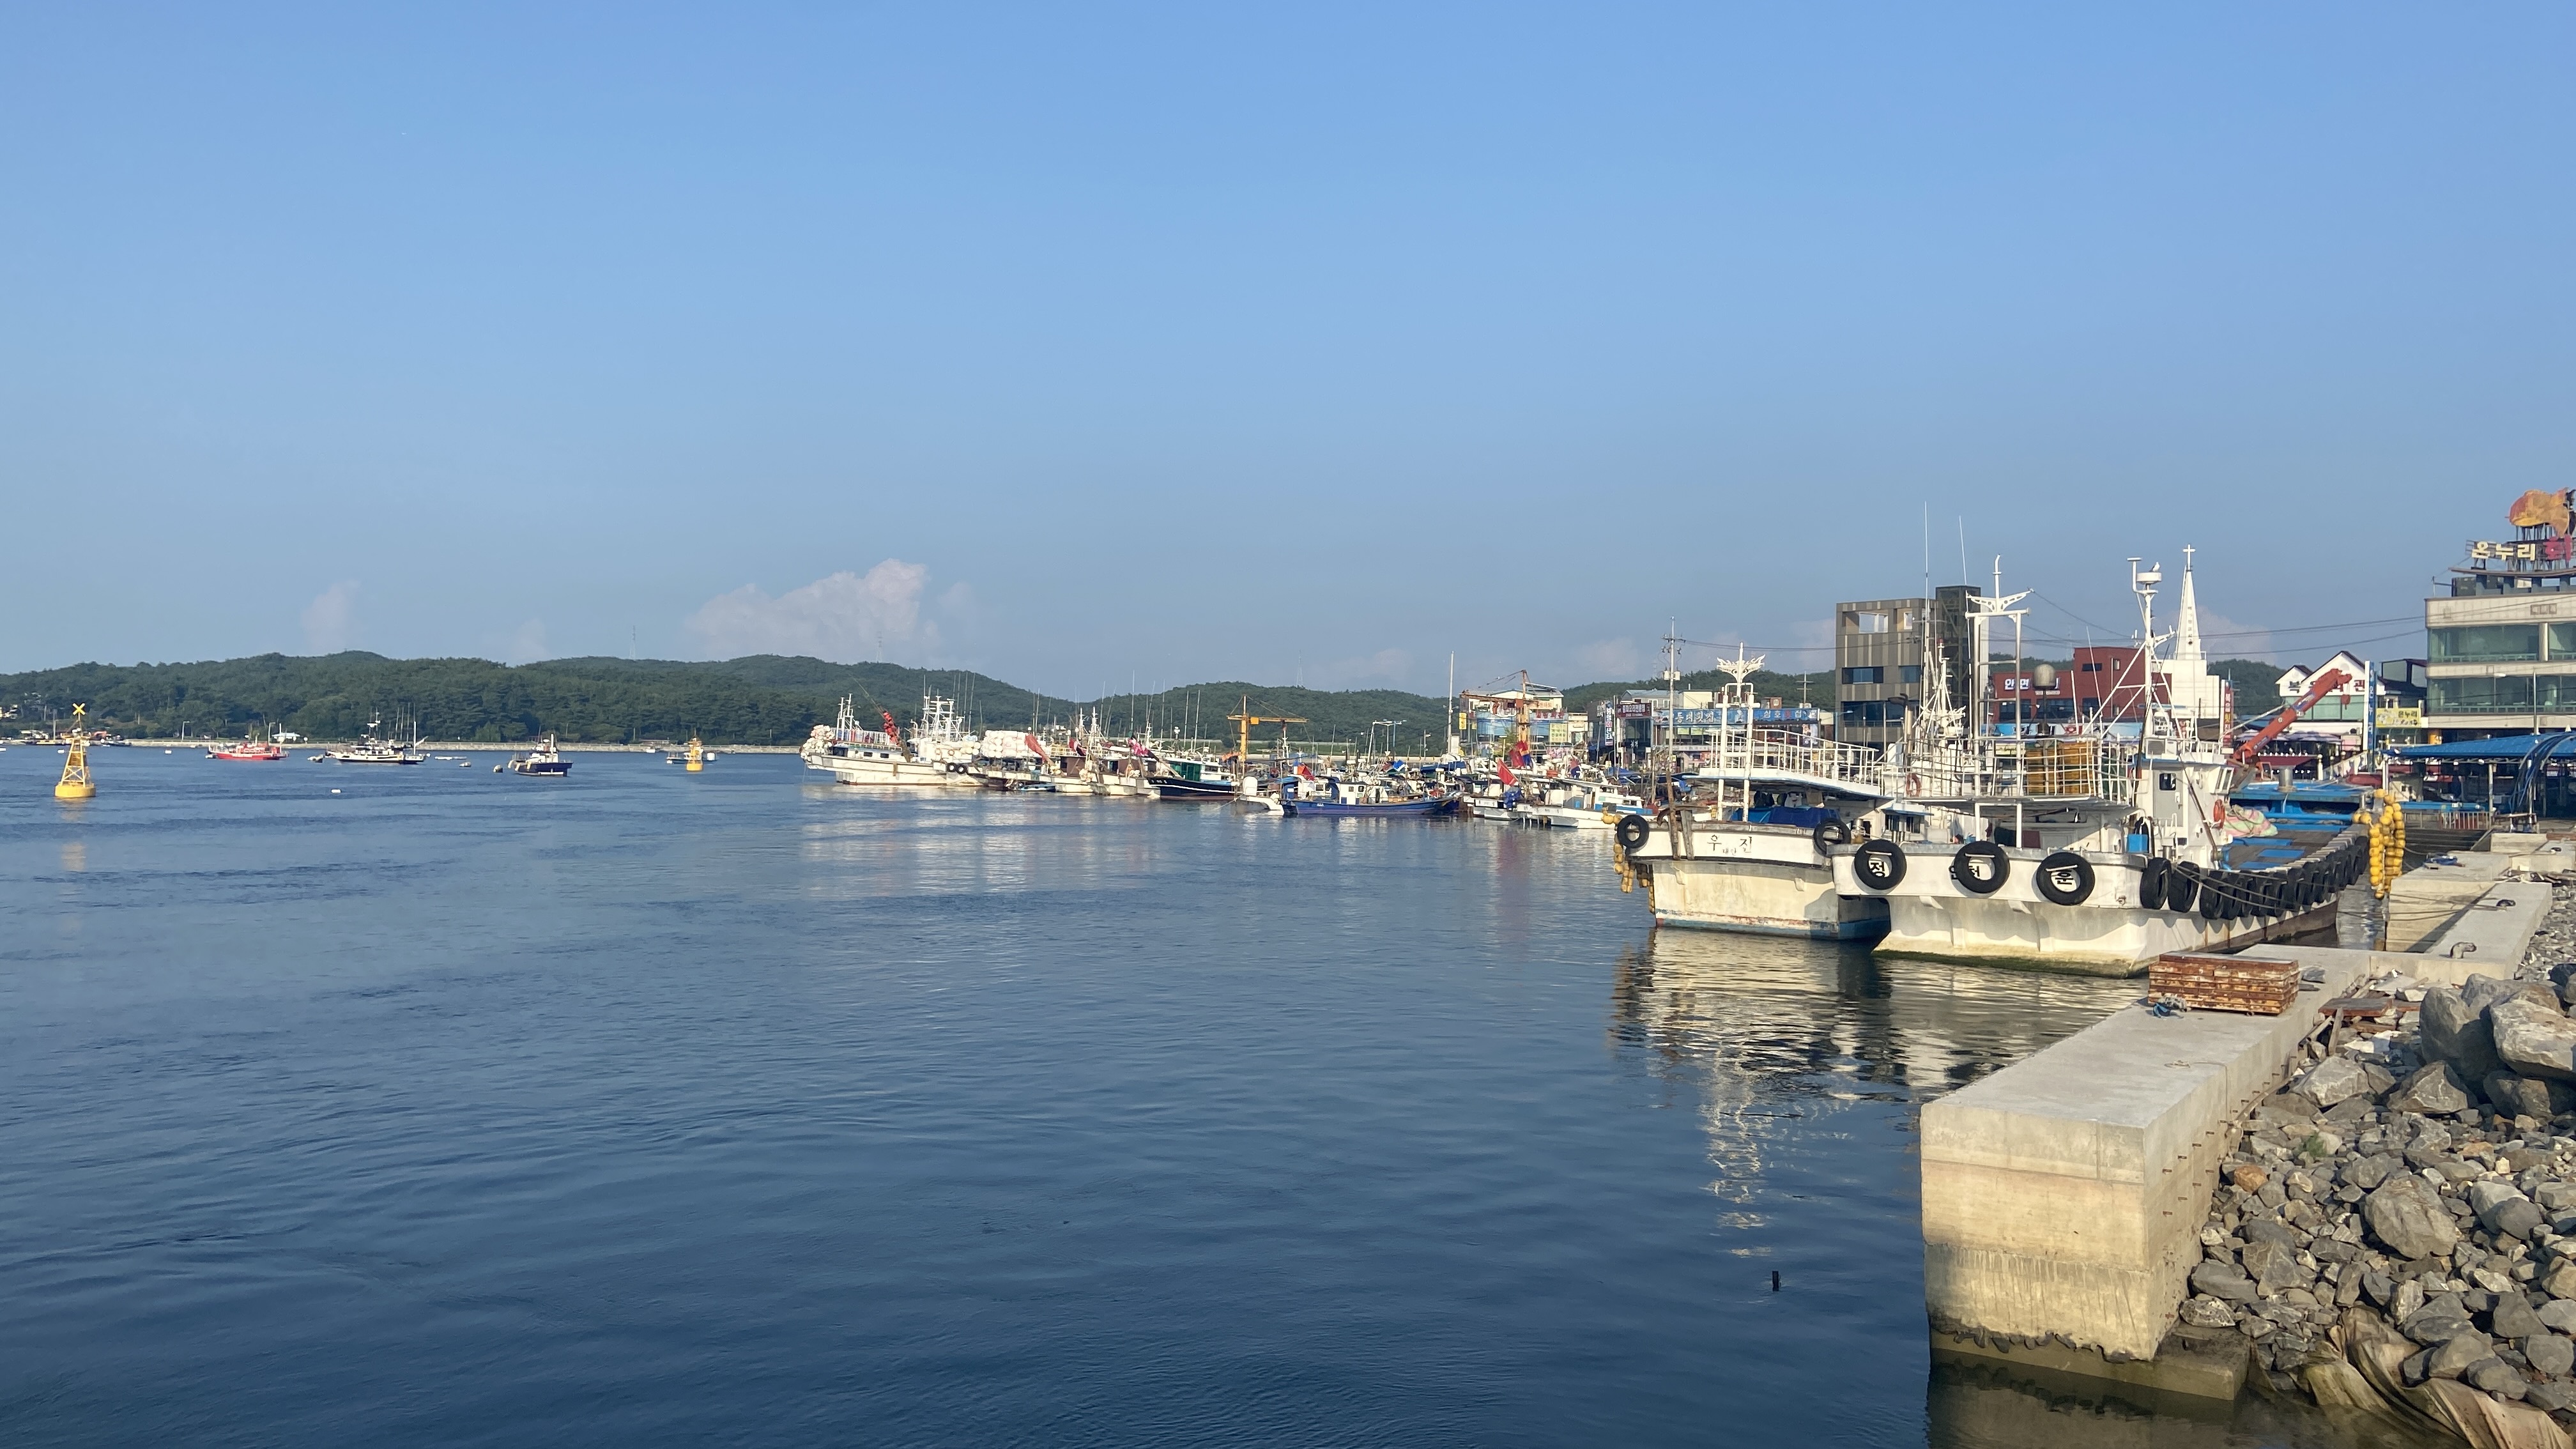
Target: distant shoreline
x=467, y=747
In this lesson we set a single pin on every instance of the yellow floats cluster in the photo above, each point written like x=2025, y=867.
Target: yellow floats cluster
x=2387, y=843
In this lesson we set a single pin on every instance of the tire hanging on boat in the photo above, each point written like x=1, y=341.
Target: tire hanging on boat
x=2214, y=893
x=2151, y=883
x=1632, y=831
x=2065, y=878
x=1830, y=833
x=1878, y=864
x=2182, y=885
x=1981, y=867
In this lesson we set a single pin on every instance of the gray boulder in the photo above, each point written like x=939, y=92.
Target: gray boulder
x=2560, y=1280
x=2563, y=977
x=2514, y=1318
x=2368, y=1172
x=2559, y=1314
x=2550, y=1397
x=2273, y=1267
x=2407, y=1216
x=2436, y=1090
x=2334, y=1080
x=2223, y=1280
x=2504, y=1210
x=2492, y=1375
x=2549, y=1354
x=2382, y=1289
x=2268, y=1230
x=2453, y=1356
x=2481, y=993
x=2517, y=1096
x=2202, y=1311
x=2434, y=1325
x=2535, y=1040
x=2458, y=1034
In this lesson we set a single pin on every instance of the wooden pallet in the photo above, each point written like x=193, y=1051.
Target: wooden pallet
x=2225, y=983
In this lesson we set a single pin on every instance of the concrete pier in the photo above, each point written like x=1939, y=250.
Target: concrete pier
x=2064, y=1194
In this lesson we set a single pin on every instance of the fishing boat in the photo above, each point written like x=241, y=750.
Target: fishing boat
x=373, y=749
x=2094, y=853
x=1747, y=848
x=1588, y=801
x=936, y=753
x=543, y=760
x=1371, y=799
x=249, y=749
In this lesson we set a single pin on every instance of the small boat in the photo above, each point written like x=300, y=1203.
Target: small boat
x=1376, y=798
x=252, y=749
x=372, y=749
x=694, y=758
x=541, y=761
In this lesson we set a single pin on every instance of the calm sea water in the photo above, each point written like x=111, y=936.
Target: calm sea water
x=645, y=1107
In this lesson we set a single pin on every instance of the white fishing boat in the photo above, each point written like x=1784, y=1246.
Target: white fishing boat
x=373, y=749
x=2091, y=852
x=1749, y=850
x=1589, y=800
x=543, y=760
x=936, y=755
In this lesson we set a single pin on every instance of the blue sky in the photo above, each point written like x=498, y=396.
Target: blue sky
x=1080, y=343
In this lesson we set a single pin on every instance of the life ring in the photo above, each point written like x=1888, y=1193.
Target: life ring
x=2182, y=885
x=1830, y=833
x=1981, y=867
x=1879, y=864
x=2151, y=883
x=1632, y=830
x=2064, y=878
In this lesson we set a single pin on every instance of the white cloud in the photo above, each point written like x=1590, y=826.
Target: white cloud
x=529, y=643
x=331, y=620
x=1612, y=659
x=1387, y=668
x=2224, y=638
x=845, y=617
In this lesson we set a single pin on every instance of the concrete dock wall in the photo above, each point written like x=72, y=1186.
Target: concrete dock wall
x=2064, y=1194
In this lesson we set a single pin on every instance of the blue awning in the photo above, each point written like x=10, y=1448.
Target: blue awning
x=2504, y=749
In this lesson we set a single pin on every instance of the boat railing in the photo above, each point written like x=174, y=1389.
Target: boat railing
x=1780, y=753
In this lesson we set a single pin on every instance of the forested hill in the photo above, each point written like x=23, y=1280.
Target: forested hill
x=760, y=699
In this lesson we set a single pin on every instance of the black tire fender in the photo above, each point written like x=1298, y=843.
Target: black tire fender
x=1632, y=830
x=1830, y=833
x=1879, y=865
x=1985, y=877
x=2214, y=893
x=2182, y=886
x=2151, y=882
x=2064, y=878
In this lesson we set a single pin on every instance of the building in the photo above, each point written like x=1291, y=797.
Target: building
x=2102, y=682
x=1630, y=723
x=2500, y=648
x=1879, y=652
x=1489, y=717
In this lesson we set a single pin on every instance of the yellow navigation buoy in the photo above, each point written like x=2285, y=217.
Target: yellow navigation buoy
x=697, y=758
x=75, y=783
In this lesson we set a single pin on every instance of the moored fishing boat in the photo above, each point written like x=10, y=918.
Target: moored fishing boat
x=543, y=760
x=249, y=749
x=936, y=754
x=373, y=749
x=2089, y=853
x=1748, y=848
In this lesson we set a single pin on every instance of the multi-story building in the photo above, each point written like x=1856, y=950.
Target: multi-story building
x=2500, y=648
x=1880, y=646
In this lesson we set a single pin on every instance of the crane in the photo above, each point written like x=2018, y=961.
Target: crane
x=2318, y=688
x=1245, y=719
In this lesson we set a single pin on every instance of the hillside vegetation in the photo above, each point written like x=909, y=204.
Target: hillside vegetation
x=759, y=699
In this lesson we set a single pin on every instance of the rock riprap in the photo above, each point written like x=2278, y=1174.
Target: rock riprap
x=2425, y=1180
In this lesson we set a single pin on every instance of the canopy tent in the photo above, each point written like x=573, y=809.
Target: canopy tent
x=2502, y=750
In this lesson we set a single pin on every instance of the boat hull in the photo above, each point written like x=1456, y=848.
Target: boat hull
x=1391, y=808
x=883, y=770
x=555, y=769
x=1931, y=916
x=1175, y=787
x=1760, y=880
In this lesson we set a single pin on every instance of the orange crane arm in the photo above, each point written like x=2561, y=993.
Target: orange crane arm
x=2318, y=688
